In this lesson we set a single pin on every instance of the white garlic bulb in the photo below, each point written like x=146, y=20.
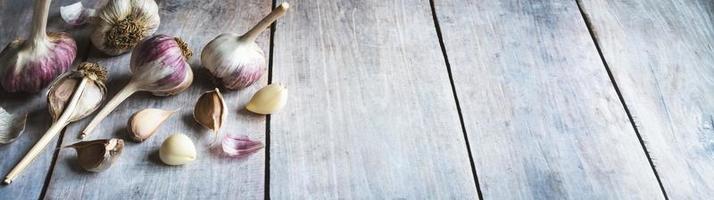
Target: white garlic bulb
x=119, y=25
x=178, y=149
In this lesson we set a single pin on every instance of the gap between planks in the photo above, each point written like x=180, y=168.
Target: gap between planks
x=437, y=28
x=588, y=24
x=266, y=187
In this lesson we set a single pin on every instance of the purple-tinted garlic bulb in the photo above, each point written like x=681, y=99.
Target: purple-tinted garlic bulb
x=30, y=65
x=237, y=61
x=158, y=65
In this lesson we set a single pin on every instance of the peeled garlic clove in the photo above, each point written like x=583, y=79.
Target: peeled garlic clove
x=11, y=126
x=144, y=123
x=30, y=65
x=268, y=100
x=210, y=110
x=178, y=149
x=122, y=24
x=98, y=155
x=240, y=145
x=237, y=61
x=158, y=65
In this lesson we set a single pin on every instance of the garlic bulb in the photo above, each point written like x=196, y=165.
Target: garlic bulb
x=119, y=25
x=144, y=123
x=177, y=149
x=98, y=155
x=73, y=96
x=210, y=110
x=30, y=65
x=237, y=61
x=268, y=100
x=159, y=65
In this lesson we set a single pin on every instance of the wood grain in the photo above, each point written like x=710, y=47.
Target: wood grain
x=661, y=54
x=139, y=174
x=370, y=113
x=542, y=117
x=15, y=18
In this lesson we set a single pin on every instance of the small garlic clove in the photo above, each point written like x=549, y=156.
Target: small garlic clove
x=268, y=100
x=76, y=14
x=98, y=155
x=210, y=110
x=143, y=124
x=177, y=149
x=11, y=126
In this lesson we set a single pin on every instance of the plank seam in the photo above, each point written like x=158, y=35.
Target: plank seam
x=439, y=35
x=594, y=38
x=271, y=44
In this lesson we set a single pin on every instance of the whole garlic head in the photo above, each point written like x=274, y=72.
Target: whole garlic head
x=121, y=24
x=160, y=65
x=177, y=149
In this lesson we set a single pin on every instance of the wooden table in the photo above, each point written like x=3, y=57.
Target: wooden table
x=441, y=99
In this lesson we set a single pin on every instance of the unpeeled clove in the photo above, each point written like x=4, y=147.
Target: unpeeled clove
x=210, y=110
x=240, y=145
x=236, y=61
x=158, y=65
x=119, y=25
x=98, y=155
x=268, y=100
x=143, y=124
x=73, y=96
x=29, y=65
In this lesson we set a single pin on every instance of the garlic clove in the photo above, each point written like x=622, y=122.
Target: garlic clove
x=121, y=24
x=236, y=61
x=30, y=65
x=158, y=65
x=210, y=110
x=143, y=124
x=11, y=126
x=177, y=149
x=76, y=14
x=268, y=100
x=98, y=155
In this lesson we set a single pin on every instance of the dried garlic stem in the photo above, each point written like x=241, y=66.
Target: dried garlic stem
x=124, y=93
x=49, y=135
x=265, y=22
x=38, y=36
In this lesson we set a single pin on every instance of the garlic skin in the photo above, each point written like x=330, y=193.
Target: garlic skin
x=236, y=61
x=158, y=65
x=177, y=149
x=121, y=24
x=98, y=155
x=30, y=65
x=268, y=100
x=143, y=124
x=210, y=110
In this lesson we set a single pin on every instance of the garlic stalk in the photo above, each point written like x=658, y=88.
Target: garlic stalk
x=119, y=25
x=268, y=100
x=30, y=65
x=236, y=61
x=73, y=96
x=210, y=111
x=144, y=123
x=158, y=65
x=98, y=155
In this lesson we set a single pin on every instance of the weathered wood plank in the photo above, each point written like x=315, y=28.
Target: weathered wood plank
x=542, y=117
x=15, y=18
x=139, y=174
x=370, y=113
x=661, y=54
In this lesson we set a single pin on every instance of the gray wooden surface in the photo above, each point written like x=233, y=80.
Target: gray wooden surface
x=407, y=99
x=661, y=54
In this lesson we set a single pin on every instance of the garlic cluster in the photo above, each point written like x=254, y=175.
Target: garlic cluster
x=30, y=65
x=73, y=96
x=237, y=61
x=98, y=155
x=158, y=65
x=144, y=123
x=177, y=149
x=119, y=25
x=268, y=99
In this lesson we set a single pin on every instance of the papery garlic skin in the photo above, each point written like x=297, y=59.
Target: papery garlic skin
x=268, y=100
x=177, y=149
x=234, y=63
x=121, y=24
x=64, y=86
x=160, y=64
x=98, y=155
